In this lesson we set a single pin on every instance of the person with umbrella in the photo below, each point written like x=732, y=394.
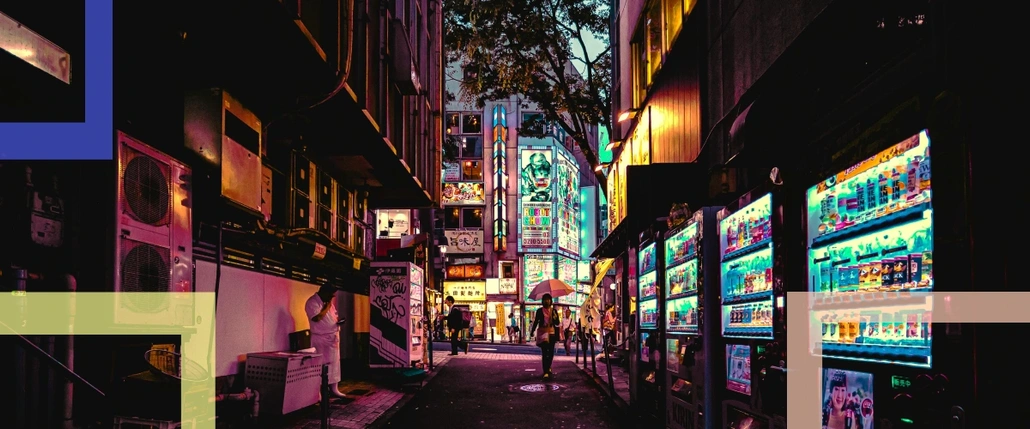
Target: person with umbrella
x=544, y=325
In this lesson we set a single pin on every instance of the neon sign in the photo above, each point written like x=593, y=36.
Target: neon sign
x=500, y=179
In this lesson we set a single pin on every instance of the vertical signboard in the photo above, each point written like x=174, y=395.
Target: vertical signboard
x=536, y=199
x=390, y=297
x=587, y=216
x=567, y=203
x=500, y=158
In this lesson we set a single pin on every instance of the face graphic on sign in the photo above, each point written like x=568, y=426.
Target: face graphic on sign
x=536, y=178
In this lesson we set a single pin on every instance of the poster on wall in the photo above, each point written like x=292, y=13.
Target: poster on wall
x=451, y=172
x=507, y=286
x=567, y=203
x=536, y=202
x=536, y=268
x=463, y=193
x=466, y=241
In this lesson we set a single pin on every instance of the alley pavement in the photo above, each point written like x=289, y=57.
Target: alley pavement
x=506, y=390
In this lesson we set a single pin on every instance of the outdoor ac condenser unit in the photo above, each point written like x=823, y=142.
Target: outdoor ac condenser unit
x=154, y=242
x=228, y=135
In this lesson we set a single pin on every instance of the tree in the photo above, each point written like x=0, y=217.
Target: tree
x=528, y=47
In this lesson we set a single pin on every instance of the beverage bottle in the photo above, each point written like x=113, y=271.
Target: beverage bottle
x=871, y=197
x=902, y=170
x=731, y=237
x=859, y=198
x=884, y=193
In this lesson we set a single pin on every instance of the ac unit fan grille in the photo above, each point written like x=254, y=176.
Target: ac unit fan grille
x=145, y=268
x=145, y=185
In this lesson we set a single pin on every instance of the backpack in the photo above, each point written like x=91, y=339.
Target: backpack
x=466, y=319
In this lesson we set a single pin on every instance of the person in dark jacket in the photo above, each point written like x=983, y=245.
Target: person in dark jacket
x=454, y=324
x=544, y=327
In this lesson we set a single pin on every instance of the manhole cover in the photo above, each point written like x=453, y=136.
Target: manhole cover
x=539, y=387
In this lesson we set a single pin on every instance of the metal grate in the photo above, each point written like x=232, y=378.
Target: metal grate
x=145, y=268
x=145, y=186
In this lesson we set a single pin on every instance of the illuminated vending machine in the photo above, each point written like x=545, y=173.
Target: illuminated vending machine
x=870, y=236
x=751, y=281
x=688, y=257
x=649, y=392
x=395, y=320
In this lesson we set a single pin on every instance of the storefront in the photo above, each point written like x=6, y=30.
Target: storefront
x=472, y=294
x=502, y=296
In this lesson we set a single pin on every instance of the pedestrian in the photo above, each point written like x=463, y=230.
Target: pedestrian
x=454, y=324
x=544, y=325
x=567, y=329
x=325, y=333
x=513, y=331
x=472, y=329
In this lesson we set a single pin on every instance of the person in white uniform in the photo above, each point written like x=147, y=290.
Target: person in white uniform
x=325, y=333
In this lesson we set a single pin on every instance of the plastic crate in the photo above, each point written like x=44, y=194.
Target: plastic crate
x=287, y=381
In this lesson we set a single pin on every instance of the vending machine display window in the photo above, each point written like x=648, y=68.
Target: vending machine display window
x=738, y=368
x=649, y=314
x=740, y=419
x=645, y=346
x=870, y=257
x=747, y=270
x=847, y=399
x=674, y=358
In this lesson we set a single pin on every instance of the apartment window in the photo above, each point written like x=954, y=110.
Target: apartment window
x=453, y=122
x=640, y=75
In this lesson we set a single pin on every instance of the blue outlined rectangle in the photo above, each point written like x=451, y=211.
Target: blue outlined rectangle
x=92, y=139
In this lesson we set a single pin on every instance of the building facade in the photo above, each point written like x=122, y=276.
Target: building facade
x=513, y=213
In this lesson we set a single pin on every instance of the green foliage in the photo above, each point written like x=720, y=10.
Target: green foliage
x=528, y=47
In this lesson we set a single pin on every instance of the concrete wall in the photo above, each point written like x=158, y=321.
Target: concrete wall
x=745, y=37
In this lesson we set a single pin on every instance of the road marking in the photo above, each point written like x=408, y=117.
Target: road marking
x=530, y=369
x=484, y=348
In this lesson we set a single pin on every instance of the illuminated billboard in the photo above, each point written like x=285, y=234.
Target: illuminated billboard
x=536, y=203
x=464, y=241
x=568, y=273
x=567, y=203
x=500, y=158
x=463, y=193
x=535, y=269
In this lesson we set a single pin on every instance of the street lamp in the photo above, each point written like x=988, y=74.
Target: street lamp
x=625, y=115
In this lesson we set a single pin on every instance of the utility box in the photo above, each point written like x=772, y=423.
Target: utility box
x=395, y=319
x=286, y=381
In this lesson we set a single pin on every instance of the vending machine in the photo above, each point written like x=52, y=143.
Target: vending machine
x=691, y=251
x=870, y=236
x=396, y=316
x=751, y=280
x=648, y=377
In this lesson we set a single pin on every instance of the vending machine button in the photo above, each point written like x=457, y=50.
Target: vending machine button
x=922, y=381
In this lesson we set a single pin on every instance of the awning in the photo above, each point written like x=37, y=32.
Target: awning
x=600, y=269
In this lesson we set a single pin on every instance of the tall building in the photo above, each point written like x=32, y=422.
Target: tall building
x=515, y=191
x=255, y=143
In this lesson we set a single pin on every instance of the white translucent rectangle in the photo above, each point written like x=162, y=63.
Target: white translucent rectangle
x=34, y=49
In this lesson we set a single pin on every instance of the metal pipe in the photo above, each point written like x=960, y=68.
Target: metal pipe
x=69, y=355
x=247, y=395
x=325, y=396
x=20, y=393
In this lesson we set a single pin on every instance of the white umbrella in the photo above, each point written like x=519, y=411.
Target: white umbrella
x=554, y=287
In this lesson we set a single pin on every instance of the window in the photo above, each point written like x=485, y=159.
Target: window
x=471, y=147
x=463, y=217
x=673, y=20
x=472, y=171
x=452, y=219
x=640, y=80
x=472, y=124
x=654, y=41
x=472, y=218
x=533, y=124
x=453, y=121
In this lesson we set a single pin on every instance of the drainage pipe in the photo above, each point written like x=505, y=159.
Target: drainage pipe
x=248, y=395
x=21, y=281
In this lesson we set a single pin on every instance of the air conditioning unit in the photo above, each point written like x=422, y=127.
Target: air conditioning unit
x=226, y=134
x=154, y=242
